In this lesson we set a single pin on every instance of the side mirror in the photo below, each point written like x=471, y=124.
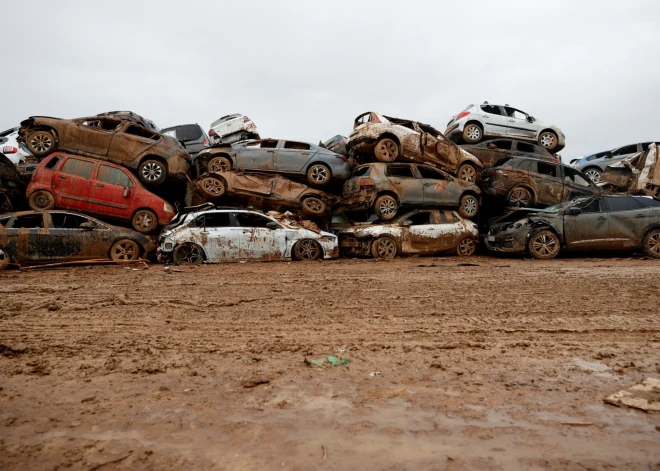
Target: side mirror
x=126, y=190
x=88, y=226
x=407, y=223
x=573, y=211
x=272, y=225
x=531, y=119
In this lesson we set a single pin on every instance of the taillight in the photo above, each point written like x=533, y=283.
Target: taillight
x=462, y=115
x=342, y=157
x=206, y=142
x=9, y=150
x=212, y=132
x=245, y=119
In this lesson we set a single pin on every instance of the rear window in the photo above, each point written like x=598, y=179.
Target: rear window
x=185, y=133
x=296, y=145
x=79, y=168
x=361, y=171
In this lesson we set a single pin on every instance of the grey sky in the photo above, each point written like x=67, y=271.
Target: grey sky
x=305, y=69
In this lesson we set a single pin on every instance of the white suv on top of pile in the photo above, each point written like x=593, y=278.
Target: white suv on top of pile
x=232, y=128
x=478, y=121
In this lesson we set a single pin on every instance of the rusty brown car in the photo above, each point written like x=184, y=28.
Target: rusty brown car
x=152, y=156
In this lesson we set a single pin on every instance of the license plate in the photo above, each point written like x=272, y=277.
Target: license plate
x=491, y=238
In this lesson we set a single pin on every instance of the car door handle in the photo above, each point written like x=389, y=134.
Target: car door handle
x=428, y=184
x=640, y=215
x=62, y=177
x=144, y=142
x=100, y=185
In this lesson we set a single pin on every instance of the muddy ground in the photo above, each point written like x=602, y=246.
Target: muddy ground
x=499, y=366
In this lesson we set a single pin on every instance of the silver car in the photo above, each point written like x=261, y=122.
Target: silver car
x=477, y=122
x=593, y=165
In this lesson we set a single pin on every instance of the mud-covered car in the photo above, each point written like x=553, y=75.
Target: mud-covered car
x=152, y=156
x=491, y=152
x=638, y=174
x=33, y=237
x=132, y=116
x=594, y=164
x=12, y=188
x=315, y=164
x=272, y=192
x=336, y=144
x=423, y=231
x=388, y=139
x=223, y=235
x=384, y=188
x=232, y=128
x=526, y=182
x=614, y=222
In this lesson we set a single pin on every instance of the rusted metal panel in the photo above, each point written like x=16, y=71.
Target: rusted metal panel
x=636, y=174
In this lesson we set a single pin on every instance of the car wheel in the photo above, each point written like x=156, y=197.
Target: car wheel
x=318, y=174
x=212, y=187
x=41, y=143
x=468, y=206
x=41, y=200
x=467, y=173
x=383, y=247
x=386, y=150
x=472, y=133
x=548, y=139
x=188, y=254
x=307, y=249
x=219, y=164
x=386, y=207
x=651, y=244
x=152, y=172
x=543, y=245
x=520, y=197
x=593, y=174
x=145, y=221
x=466, y=247
x=124, y=250
x=4, y=259
x=313, y=206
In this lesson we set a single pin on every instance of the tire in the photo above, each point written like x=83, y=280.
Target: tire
x=4, y=259
x=313, y=206
x=385, y=207
x=651, y=243
x=307, y=249
x=218, y=164
x=593, y=173
x=144, y=221
x=318, y=175
x=467, y=173
x=188, y=254
x=468, y=207
x=520, y=197
x=548, y=140
x=472, y=133
x=42, y=200
x=124, y=250
x=543, y=245
x=152, y=172
x=386, y=150
x=40, y=143
x=466, y=247
x=384, y=247
x=212, y=187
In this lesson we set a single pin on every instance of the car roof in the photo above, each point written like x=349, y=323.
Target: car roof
x=88, y=159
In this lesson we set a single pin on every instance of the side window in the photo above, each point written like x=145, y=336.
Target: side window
x=547, y=169
x=139, y=131
x=650, y=201
x=492, y=109
x=53, y=162
x=623, y=203
x=498, y=144
x=113, y=176
x=67, y=221
x=268, y=144
x=251, y=220
x=514, y=113
x=102, y=124
x=362, y=171
x=631, y=149
x=296, y=145
x=524, y=147
x=593, y=206
x=217, y=220
x=399, y=171
x=430, y=173
x=524, y=164
x=79, y=168
x=420, y=219
x=29, y=221
x=4, y=221
x=574, y=176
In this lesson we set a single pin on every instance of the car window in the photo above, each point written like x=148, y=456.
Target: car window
x=113, y=176
x=574, y=176
x=492, y=109
x=53, y=162
x=186, y=132
x=526, y=164
x=139, y=131
x=514, y=113
x=29, y=221
x=593, y=206
x=421, y=218
x=296, y=145
x=79, y=168
x=444, y=217
x=399, y=171
x=365, y=118
x=212, y=220
x=67, y=221
x=4, y=221
x=506, y=162
x=649, y=201
x=547, y=169
x=268, y=144
x=499, y=144
x=623, y=203
x=102, y=124
x=625, y=150
x=524, y=147
x=430, y=173
x=251, y=220
x=361, y=171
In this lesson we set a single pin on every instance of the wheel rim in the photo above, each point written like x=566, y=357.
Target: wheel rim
x=42, y=200
x=388, y=149
x=654, y=244
x=544, y=245
x=519, y=197
x=387, y=206
x=548, y=140
x=214, y=186
x=308, y=250
x=593, y=174
x=473, y=132
x=152, y=171
x=189, y=253
x=470, y=205
x=218, y=165
x=386, y=248
x=319, y=174
x=3, y=257
x=125, y=251
x=467, y=246
x=41, y=142
x=314, y=205
x=144, y=220
x=467, y=173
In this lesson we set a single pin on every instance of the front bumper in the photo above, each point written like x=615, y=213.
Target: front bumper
x=330, y=247
x=512, y=241
x=351, y=245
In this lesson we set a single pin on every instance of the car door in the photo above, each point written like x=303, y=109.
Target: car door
x=407, y=184
x=258, y=242
x=437, y=187
x=216, y=233
x=259, y=155
x=131, y=141
x=29, y=236
x=518, y=124
x=589, y=229
x=627, y=220
x=576, y=185
x=494, y=151
x=112, y=192
x=292, y=156
x=548, y=182
x=77, y=237
x=493, y=119
x=72, y=184
x=89, y=135
x=423, y=232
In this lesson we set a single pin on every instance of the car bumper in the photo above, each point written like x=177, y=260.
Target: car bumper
x=507, y=241
x=330, y=247
x=354, y=246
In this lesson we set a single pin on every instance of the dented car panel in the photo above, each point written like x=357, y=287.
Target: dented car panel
x=638, y=174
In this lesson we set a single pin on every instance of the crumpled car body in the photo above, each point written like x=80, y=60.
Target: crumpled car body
x=491, y=152
x=15, y=151
x=12, y=188
x=638, y=174
x=423, y=231
x=336, y=144
x=232, y=128
x=232, y=235
x=415, y=142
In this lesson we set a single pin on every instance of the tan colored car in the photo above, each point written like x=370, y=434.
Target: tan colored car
x=152, y=156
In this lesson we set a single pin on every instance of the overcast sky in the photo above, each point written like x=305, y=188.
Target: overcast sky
x=305, y=69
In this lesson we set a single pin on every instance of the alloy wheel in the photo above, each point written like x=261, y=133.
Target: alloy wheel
x=126, y=250
x=468, y=174
x=214, y=186
x=544, y=245
x=519, y=198
x=387, y=206
x=467, y=246
x=548, y=140
x=386, y=248
x=470, y=205
x=319, y=174
x=307, y=250
x=474, y=133
x=152, y=172
x=653, y=244
x=41, y=142
x=593, y=174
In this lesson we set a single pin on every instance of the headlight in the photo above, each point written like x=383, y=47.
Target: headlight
x=518, y=224
x=168, y=208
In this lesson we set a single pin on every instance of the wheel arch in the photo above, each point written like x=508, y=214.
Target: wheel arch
x=544, y=227
x=209, y=157
x=44, y=127
x=389, y=135
x=178, y=244
x=397, y=242
x=296, y=242
x=387, y=192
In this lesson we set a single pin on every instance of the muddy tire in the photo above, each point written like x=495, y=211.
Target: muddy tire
x=467, y=172
x=124, y=250
x=520, y=197
x=468, y=207
x=543, y=245
x=548, y=140
x=144, y=221
x=218, y=164
x=152, y=172
x=651, y=243
x=593, y=173
x=313, y=206
x=4, y=259
x=385, y=207
x=472, y=133
x=41, y=200
x=40, y=143
x=386, y=150
x=466, y=247
x=188, y=254
x=318, y=175
x=307, y=249
x=212, y=187
x=384, y=247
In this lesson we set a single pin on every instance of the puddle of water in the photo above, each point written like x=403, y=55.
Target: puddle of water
x=590, y=365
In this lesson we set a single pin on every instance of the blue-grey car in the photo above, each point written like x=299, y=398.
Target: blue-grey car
x=318, y=165
x=593, y=165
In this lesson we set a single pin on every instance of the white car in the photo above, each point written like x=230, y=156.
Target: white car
x=15, y=151
x=479, y=121
x=232, y=128
x=232, y=235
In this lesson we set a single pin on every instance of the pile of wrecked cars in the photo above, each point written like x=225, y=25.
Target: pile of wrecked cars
x=392, y=187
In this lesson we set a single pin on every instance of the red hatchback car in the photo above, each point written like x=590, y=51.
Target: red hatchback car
x=96, y=187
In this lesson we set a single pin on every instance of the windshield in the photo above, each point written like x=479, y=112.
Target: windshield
x=557, y=207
